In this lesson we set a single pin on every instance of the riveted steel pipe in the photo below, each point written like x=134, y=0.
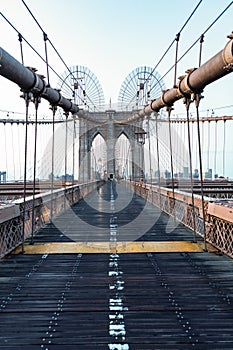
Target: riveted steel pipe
x=29, y=81
x=195, y=80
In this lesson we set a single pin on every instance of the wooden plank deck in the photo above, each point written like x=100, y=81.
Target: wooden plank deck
x=147, y=300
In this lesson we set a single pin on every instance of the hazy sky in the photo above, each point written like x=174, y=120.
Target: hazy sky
x=113, y=37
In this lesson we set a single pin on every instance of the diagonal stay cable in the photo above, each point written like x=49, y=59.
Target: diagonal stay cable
x=34, y=18
x=169, y=47
x=27, y=42
x=195, y=42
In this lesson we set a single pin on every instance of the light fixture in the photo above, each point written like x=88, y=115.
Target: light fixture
x=141, y=135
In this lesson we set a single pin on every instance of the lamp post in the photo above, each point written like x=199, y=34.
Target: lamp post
x=140, y=136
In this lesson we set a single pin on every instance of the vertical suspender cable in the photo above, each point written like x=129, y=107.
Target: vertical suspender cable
x=208, y=147
x=224, y=147
x=158, y=159
x=192, y=136
x=200, y=52
x=66, y=147
x=181, y=124
x=73, y=165
x=203, y=138
x=215, y=150
x=46, y=56
x=187, y=103
x=197, y=98
x=36, y=102
x=148, y=120
x=176, y=57
x=127, y=164
x=74, y=137
x=169, y=109
x=19, y=153
x=201, y=40
x=185, y=133
x=178, y=129
x=21, y=47
x=27, y=100
x=176, y=144
x=13, y=151
x=6, y=158
x=54, y=109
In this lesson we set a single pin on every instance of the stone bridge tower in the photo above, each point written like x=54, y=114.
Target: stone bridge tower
x=110, y=127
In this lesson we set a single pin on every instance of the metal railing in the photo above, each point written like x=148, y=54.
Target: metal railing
x=16, y=218
x=218, y=214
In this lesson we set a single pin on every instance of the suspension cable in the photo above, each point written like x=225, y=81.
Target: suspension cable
x=47, y=39
x=215, y=149
x=169, y=47
x=203, y=137
x=36, y=102
x=200, y=52
x=224, y=148
x=21, y=47
x=126, y=162
x=149, y=144
x=169, y=109
x=197, y=98
x=5, y=141
x=13, y=151
x=176, y=57
x=22, y=60
x=195, y=42
x=158, y=158
x=183, y=138
x=46, y=56
x=45, y=36
x=73, y=161
x=19, y=152
x=27, y=98
x=208, y=146
x=26, y=41
x=66, y=148
x=54, y=109
x=187, y=101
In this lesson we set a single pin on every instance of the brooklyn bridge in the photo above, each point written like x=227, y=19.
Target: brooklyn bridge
x=116, y=218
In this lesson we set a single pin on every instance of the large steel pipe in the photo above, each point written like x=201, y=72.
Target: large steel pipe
x=29, y=81
x=195, y=81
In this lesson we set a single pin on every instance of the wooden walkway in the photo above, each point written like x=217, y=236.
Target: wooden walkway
x=108, y=300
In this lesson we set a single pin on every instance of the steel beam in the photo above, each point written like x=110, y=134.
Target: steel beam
x=29, y=81
x=194, y=81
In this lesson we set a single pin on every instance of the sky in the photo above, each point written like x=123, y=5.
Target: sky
x=112, y=38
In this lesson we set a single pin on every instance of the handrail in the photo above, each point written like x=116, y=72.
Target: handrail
x=11, y=215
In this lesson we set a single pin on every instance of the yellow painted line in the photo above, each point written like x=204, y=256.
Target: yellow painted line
x=114, y=247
